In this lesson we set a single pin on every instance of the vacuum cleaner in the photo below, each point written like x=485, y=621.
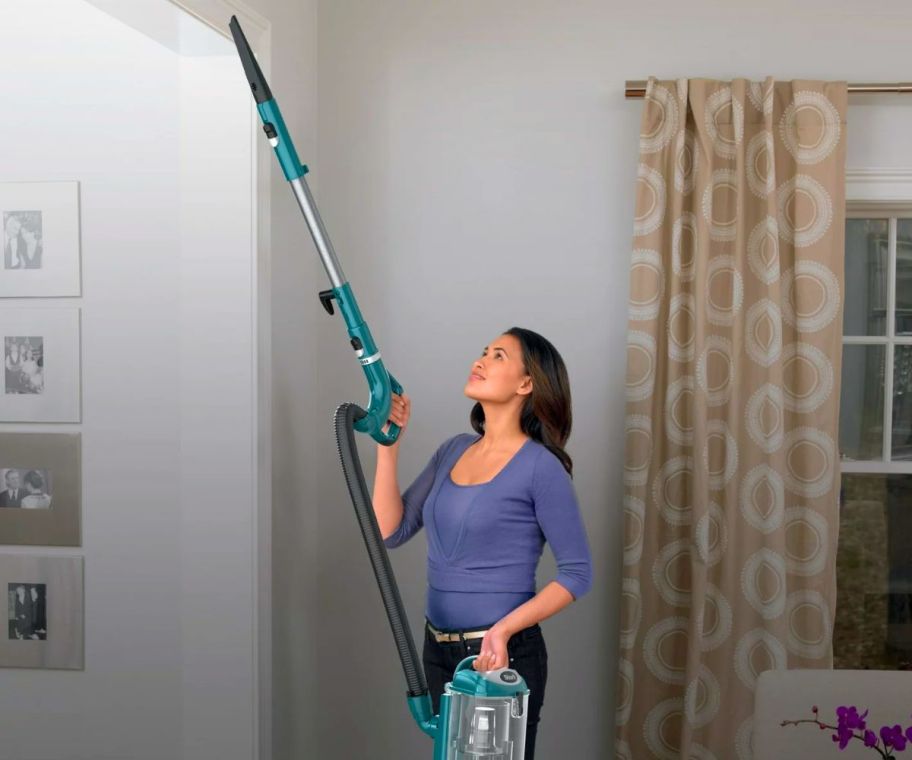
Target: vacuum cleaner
x=482, y=715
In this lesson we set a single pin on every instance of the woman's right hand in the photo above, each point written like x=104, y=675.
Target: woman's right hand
x=400, y=409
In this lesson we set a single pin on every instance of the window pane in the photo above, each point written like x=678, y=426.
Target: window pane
x=902, y=402
x=867, y=245
x=873, y=627
x=861, y=410
x=904, y=276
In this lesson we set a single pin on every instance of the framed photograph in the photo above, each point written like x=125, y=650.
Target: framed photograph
x=40, y=489
x=45, y=616
x=40, y=378
x=40, y=239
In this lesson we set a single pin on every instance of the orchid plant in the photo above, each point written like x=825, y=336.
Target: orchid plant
x=852, y=725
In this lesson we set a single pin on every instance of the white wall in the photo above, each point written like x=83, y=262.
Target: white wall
x=477, y=163
x=161, y=147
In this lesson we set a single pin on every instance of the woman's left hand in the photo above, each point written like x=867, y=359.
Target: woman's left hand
x=493, y=653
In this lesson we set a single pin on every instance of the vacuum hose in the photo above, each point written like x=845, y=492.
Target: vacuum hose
x=346, y=416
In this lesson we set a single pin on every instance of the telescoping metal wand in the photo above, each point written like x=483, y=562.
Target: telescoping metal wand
x=380, y=382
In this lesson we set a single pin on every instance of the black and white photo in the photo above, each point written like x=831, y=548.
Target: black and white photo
x=39, y=229
x=24, y=488
x=28, y=611
x=40, y=489
x=22, y=246
x=23, y=363
x=41, y=364
x=46, y=616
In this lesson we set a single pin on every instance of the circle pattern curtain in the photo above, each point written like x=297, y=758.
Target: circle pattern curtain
x=733, y=365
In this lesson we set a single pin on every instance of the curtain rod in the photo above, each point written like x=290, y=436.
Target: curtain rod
x=637, y=88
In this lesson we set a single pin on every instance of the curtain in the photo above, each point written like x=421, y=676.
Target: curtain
x=733, y=370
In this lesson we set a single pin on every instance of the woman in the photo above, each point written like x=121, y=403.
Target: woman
x=31, y=371
x=39, y=613
x=490, y=502
x=34, y=485
x=31, y=256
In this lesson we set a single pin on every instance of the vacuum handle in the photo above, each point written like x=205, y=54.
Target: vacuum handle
x=394, y=429
x=380, y=382
x=382, y=385
x=465, y=663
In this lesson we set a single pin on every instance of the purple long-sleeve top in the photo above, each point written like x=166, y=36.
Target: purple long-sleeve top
x=485, y=540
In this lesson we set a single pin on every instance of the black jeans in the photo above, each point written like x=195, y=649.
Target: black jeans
x=528, y=657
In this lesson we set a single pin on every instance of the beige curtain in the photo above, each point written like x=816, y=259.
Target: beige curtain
x=733, y=368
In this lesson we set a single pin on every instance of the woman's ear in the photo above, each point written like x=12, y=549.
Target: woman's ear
x=526, y=387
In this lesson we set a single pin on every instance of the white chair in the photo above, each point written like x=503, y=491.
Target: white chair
x=790, y=694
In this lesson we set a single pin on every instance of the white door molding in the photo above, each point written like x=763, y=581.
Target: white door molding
x=257, y=29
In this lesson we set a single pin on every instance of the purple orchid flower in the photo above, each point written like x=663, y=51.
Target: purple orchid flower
x=892, y=736
x=849, y=717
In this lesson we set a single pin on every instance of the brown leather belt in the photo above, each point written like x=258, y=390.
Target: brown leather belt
x=442, y=636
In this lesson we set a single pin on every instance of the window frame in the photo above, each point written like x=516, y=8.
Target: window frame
x=887, y=465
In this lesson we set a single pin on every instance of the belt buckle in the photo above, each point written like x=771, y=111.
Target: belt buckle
x=450, y=637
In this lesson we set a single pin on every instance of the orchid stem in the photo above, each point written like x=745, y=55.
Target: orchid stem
x=822, y=725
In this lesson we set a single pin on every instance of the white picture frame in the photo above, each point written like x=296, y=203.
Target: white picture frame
x=47, y=629
x=39, y=232
x=40, y=377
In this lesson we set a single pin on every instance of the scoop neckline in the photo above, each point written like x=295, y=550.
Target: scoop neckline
x=497, y=475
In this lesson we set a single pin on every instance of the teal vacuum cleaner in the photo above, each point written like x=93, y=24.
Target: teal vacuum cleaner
x=482, y=715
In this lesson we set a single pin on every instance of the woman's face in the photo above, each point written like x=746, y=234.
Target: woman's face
x=498, y=374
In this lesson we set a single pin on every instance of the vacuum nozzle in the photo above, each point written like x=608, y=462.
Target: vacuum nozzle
x=258, y=85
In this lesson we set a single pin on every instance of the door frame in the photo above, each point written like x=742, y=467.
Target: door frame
x=257, y=29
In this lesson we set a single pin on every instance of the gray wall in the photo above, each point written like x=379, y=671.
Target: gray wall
x=476, y=168
x=472, y=178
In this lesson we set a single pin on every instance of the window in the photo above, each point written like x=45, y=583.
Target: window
x=873, y=626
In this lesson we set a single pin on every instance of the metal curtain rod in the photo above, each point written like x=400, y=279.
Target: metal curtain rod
x=637, y=88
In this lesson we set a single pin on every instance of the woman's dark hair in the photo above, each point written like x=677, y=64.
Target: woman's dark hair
x=546, y=414
x=34, y=479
